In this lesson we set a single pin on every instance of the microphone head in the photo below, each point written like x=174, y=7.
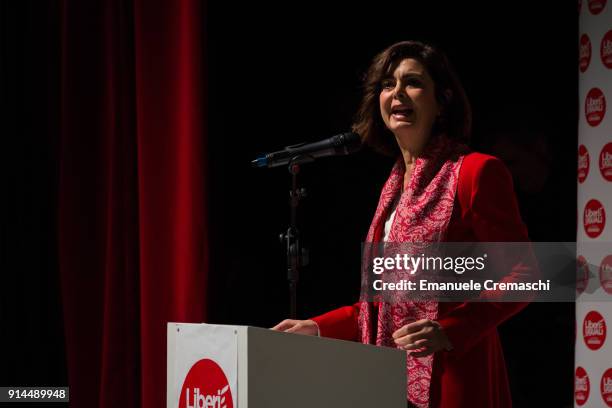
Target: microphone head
x=342, y=144
x=347, y=143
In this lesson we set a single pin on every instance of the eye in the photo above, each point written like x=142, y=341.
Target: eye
x=387, y=84
x=414, y=83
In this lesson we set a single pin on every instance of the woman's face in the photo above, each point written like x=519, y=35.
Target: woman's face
x=407, y=101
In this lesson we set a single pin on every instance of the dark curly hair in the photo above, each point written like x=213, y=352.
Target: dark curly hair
x=456, y=118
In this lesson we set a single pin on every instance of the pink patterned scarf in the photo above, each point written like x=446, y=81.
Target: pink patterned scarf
x=422, y=215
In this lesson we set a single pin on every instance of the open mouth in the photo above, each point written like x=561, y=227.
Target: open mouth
x=401, y=112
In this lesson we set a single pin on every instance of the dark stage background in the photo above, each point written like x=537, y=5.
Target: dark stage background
x=279, y=74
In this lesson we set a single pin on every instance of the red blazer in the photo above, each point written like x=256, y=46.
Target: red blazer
x=473, y=375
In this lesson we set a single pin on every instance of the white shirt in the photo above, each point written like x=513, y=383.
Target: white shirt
x=389, y=222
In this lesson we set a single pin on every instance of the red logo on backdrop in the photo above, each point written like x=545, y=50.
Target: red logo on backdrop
x=605, y=50
x=206, y=386
x=594, y=330
x=606, y=387
x=585, y=52
x=582, y=387
x=594, y=218
x=605, y=274
x=595, y=106
x=596, y=6
x=605, y=162
x=583, y=163
x=582, y=274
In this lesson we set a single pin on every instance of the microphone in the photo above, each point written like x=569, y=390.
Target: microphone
x=342, y=144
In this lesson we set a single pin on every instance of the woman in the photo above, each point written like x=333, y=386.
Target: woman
x=414, y=107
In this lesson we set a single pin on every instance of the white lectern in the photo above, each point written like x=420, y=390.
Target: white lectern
x=248, y=367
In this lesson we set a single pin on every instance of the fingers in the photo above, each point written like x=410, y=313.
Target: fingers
x=424, y=334
x=417, y=345
x=421, y=338
x=295, y=329
x=297, y=326
x=413, y=327
x=427, y=329
x=285, y=325
x=308, y=327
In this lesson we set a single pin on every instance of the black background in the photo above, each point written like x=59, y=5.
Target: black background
x=283, y=73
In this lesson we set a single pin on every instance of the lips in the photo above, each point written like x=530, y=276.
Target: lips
x=401, y=112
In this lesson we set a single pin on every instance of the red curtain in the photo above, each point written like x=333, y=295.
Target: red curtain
x=132, y=244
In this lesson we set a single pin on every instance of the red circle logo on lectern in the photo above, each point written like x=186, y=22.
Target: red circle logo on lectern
x=606, y=387
x=605, y=50
x=605, y=162
x=594, y=218
x=595, y=106
x=582, y=274
x=585, y=52
x=594, y=330
x=605, y=274
x=583, y=163
x=596, y=6
x=582, y=387
x=206, y=386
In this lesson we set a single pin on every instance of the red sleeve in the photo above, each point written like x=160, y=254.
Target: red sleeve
x=340, y=323
x=486, y=191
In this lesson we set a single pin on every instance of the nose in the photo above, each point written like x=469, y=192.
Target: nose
x=399, y=93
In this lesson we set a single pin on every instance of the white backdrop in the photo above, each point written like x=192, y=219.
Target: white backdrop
x=593, y=371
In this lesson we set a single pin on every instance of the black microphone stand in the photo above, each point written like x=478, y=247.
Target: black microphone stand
x=296, y=255
x=294, y=156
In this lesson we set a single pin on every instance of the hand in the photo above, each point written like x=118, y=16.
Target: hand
x=422, y=338
x=308, y=327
